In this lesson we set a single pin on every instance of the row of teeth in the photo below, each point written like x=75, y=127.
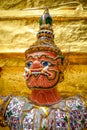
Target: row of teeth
x=37, y=73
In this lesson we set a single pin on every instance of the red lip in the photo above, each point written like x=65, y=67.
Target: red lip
x=36, y=70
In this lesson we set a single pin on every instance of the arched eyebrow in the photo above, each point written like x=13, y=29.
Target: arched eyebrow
x=29, y=57
x=58, y=57
x=49, y=57
x=40, y=56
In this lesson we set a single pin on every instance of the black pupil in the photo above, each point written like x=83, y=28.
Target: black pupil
x=29, y=64
x=45, y=63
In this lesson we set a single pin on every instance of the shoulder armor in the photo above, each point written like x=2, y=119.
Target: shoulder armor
x=75, y=102
x=4, y=101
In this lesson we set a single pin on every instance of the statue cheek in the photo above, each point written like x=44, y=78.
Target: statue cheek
x=56, y=68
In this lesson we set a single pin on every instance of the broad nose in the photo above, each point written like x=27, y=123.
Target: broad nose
x=36, y=64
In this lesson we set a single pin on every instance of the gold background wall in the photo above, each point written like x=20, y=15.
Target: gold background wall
x=18, y=29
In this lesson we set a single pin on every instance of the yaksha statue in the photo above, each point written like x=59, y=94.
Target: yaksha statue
x=45, y=109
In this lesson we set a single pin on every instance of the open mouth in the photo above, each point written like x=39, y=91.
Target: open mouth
x=37, y=73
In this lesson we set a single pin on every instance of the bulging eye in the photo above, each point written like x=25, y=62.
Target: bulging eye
x=28, y=64
x=45, y=63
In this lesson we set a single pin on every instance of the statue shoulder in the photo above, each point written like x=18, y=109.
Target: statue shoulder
x=72, y=111
x=72, y=103
x=18, y=105
x=11, y=105
x=76, y=102
x=4, y=101
x=77, y=111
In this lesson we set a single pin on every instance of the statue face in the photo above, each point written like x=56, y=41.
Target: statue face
x=42, y=70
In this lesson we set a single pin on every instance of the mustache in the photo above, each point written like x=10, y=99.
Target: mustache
x=35, y=72
x=50, y=74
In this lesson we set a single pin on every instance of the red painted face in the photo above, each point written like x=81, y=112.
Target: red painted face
x=42, y=70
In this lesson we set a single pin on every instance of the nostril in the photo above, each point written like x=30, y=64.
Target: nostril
x=36, y=64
